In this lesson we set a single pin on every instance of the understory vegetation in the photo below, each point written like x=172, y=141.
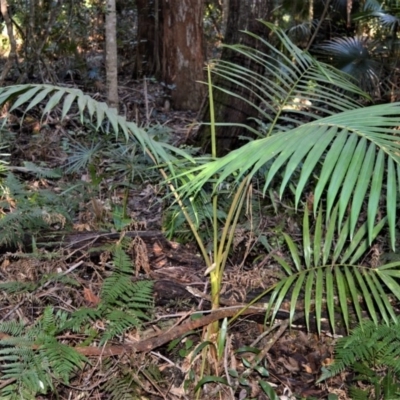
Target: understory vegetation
x=307, y=211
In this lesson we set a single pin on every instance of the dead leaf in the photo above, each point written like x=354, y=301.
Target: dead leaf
x=90, y=297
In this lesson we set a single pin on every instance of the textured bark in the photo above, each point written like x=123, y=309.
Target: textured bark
x=183, y=52
x=242, y=15
x=147, y=50
x=111, y=55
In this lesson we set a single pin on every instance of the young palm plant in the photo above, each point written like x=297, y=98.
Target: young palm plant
x=317, y=138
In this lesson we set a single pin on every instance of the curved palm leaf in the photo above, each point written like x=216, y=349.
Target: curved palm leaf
x=359, y=151
x=292, y=86
x=31, y=95
x=333, y=276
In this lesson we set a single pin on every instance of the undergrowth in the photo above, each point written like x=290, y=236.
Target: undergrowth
x=371, y=353
x=36, y=359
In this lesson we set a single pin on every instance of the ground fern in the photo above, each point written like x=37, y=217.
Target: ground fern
x=372, y=353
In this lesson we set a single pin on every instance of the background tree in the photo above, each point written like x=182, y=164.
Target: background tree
x=183, y=52
x=12, y=57
x=170, y=46
x=148, y=51
x=111, y=55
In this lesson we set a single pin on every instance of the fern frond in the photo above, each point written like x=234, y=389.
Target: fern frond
x=122, y=387
x=33, y=357
x=370, y=344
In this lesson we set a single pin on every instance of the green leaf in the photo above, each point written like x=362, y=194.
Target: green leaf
x=25, y=96
x=210, y=379
x=362, y=186
x=67, y=104
x=39, y=97
x=392, y=188
x=341, y=287
x=375, y=192
x=306, y=239
x=327, y=248
x=268, y=390
x=307, y=296
x=319, y=285
x=340, y=171
x=329, y=163
x=53, y=101
x=330, y=302
x=318, y=239
x=295, y=294
x=366, y=295
x=353, y=292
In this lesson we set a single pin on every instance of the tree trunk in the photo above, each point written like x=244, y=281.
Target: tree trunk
x=242, y=15
x=147, y=49
x=111, y=55
x=12, y=56
x=183, y=52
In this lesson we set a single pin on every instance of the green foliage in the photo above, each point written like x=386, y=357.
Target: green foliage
x=345, y=155
x=294, y=85
x=122, y=387
x=324, y=268
x=98, y=112
x=28, y=210
x=32, y=359
x=372, y=353
x=124, y=304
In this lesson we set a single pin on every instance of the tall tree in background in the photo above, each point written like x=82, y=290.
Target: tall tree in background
x=170, y=46
x=111, y=55
x=147, y=54
x=12, y=56
x=242, y=15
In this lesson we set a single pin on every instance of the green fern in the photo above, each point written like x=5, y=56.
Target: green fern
x=124, y=303
x=123, y=387
x=33, y=357
x=372, y=352
x=28, y=210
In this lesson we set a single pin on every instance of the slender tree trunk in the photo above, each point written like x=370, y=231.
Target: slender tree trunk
x=242, y=15
x=111, y=55
x=12, y=56
x=183, y=52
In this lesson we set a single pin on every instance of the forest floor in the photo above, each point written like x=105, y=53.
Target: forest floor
x=293, y=356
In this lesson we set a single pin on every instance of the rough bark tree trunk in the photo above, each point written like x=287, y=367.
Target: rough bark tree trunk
x=147, y=49
x=242, y=15
x=183, y=52
x=111, y=55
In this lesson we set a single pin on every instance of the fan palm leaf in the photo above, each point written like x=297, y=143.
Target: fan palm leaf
x=353, y=56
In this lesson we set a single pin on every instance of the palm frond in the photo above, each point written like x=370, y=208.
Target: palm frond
x=328, y=273
x=354, y=149
x=30, y=96
x=291, y=86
